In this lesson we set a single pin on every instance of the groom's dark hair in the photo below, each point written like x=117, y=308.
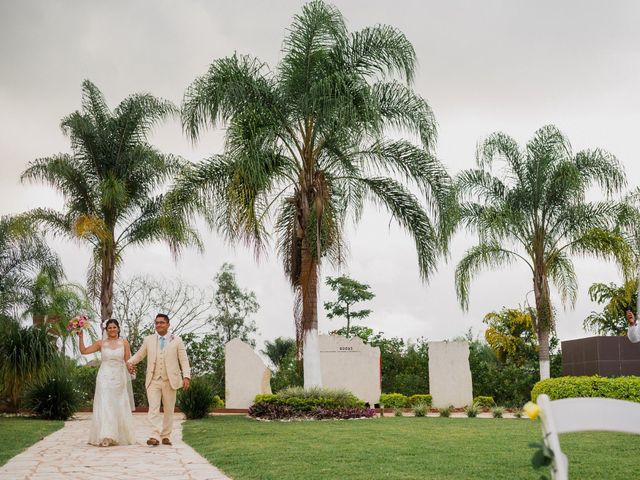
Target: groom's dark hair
x=164, y=316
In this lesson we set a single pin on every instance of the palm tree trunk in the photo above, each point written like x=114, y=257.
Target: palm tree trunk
x=106, y=286
x=544, y=321
x=311, y=345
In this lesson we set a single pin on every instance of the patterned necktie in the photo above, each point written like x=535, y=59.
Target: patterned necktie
x=161, y=343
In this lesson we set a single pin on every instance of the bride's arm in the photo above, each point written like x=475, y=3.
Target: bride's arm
x=127, y=350
x=95, y=347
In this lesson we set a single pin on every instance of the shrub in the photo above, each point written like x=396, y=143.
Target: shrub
x=316, y=403
x=86, y=382
x=197, y=400
x=397, y=412
x=56, y=396
x=420, y=399
x=421, y=409
x=484, y=401
x=445, y=412
x=393, y=400
x=264, y=397
x=217, y=402
x=26, y=354
x=497, y=412
x=622, y=388
x=472, y=411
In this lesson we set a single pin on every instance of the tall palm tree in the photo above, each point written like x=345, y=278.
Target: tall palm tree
x=534, y=210
x=110, y=184
x=23, y=254
x=307, y=145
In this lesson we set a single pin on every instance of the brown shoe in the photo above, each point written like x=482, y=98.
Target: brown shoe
x=153, y=441
x=166, y=441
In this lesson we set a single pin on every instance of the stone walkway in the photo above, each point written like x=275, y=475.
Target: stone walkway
x=65, y=454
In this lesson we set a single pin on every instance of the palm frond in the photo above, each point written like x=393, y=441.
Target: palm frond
x=407, y=211
x=484, y=255
x=563, y=275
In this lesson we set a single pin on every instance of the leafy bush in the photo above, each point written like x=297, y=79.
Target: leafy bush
x=197, y=400
x=497, y=412
x=315, y=403
x=288, y=373
x=86, y=382
x=56, y=396
x=420, y=398
x=509, y=384
x=217, y=402
x=264, y=397
x=472, y=411
x=622, y=388
x=393, y=400
x=484, y=401
x=421, y=409
x=445, y=412
x=397, y=412
x=26, y=353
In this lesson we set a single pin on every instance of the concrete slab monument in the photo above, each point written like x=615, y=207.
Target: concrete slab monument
x=245, y=375
x=351, y=364
x=449, y=374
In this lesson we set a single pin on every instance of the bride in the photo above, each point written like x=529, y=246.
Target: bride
x=112, y=421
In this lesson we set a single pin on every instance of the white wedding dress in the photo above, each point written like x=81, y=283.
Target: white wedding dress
x=112, y=421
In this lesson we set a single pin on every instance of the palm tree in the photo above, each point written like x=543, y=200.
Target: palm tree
x=23, y=254
x=307, y=146
x=53, y=303
x=278, y=349
x=110, y=183
x=536, y=212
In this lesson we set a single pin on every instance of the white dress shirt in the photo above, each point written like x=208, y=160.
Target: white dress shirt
x=634, y=333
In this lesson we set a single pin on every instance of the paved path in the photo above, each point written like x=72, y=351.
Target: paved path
x=65, y=454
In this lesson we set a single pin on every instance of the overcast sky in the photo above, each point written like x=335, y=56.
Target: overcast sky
x=484, y=66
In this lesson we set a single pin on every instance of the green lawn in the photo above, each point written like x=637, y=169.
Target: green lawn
x=17, y=434
x=398, y=448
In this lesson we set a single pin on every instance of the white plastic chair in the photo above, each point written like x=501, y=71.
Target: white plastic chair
x=581, y=415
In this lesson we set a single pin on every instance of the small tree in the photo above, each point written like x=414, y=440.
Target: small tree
x=349, y=292
x=234, y=307
x=617, y=298
x=510, y=334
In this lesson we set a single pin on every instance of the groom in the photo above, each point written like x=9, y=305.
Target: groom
x=167, y=356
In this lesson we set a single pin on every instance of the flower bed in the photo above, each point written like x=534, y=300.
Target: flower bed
x=311, y=404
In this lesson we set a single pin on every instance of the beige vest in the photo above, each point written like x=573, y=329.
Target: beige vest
x=160, y=369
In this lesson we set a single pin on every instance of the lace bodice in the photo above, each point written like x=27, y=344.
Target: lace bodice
x=111, y=353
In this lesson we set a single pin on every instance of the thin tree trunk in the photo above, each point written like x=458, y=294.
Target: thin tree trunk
x=106, y=287
x=311, y=346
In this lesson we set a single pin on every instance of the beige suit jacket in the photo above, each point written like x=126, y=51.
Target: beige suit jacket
x=175, y=359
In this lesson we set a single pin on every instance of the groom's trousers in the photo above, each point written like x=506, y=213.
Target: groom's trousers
x=160, y=390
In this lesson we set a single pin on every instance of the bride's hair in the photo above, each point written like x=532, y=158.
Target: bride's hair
x=115, y=322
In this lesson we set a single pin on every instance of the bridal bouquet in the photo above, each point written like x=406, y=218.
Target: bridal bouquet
x=77, y=323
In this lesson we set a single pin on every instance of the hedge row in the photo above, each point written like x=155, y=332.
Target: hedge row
x=398, y=400
x=622, y=388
